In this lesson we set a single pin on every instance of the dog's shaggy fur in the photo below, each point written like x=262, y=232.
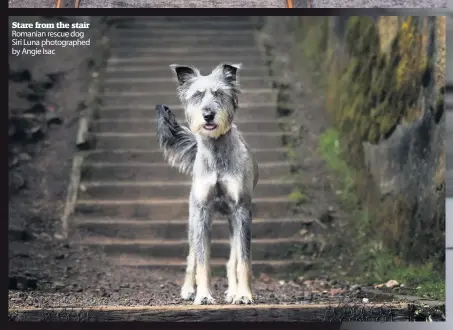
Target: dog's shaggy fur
x=224, y=175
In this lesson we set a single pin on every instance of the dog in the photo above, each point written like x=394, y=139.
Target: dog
x=224, y=176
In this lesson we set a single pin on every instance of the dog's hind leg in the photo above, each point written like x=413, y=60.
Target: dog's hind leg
x=188, y=288
x=242, y=228
x=231, y=266
x=200, y=220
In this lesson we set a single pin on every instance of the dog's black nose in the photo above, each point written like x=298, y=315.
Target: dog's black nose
x=208, y=117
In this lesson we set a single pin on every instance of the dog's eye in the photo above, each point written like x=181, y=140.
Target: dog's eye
x=217, y=93
x=198, y=95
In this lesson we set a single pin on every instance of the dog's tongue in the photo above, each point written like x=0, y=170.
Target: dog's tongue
x=210, y=126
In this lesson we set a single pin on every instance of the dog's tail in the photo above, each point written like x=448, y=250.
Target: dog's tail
x=178, y=142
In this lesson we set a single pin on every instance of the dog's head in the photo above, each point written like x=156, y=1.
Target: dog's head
x=210, y=101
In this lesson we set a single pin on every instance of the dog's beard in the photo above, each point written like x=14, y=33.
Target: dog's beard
x=198, y=125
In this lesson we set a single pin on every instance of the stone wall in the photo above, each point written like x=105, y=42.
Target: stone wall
x=384, y=79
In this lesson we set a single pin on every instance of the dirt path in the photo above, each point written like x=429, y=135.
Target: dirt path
x=127, y=242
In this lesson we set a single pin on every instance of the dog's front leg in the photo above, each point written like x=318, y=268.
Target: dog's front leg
x=188, y=288
x=242, y=228
x=231, y=266
x=200, y=220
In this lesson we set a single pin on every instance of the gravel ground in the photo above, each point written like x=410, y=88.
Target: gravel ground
x=61, y=275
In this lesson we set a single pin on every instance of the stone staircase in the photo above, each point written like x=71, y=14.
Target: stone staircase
x=130, y=202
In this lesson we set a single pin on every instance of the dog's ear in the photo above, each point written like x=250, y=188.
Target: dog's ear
x=230, y=71
x=184, y=73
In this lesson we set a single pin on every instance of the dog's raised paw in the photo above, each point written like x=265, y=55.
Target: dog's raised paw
x=204, y=300
x=188, y=293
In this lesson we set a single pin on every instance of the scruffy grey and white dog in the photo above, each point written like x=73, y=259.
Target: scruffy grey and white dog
x=224, y=175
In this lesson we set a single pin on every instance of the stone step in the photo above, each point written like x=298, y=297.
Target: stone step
x=155, y=156
x=205, y=60
x=181, y=36
x=139, y=109
x=131, y=171
x=159, y=85
x=153, y=71
x=169, y=209
x=130, y=190
x=114, y=140
x=185, y=41
x=177, y=229
x=209, y=52
x=165, y=31
x=217, y=265
x=262, y=249
x=109, y=98
x=202, y=25
x=161, y=68
x=233, y=21
x=141, y=125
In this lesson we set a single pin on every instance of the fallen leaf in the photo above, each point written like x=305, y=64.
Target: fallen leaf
x=303, y=232
x=334, y=292
x=391, y=284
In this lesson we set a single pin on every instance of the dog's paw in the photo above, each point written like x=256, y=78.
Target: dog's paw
x=204, y=299
x=243, y=297
x=242, y=300
x=187, y=293
x=229, y=296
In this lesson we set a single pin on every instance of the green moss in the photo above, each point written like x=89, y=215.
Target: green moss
x=373, y=94
x=332, y=152
x=290, y=153
x=313, y=40
x=298, y=197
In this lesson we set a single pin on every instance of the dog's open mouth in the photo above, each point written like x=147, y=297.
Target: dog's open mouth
x=210, y=127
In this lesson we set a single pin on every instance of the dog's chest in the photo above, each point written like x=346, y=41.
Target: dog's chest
x=215, y=187
x=216, y=178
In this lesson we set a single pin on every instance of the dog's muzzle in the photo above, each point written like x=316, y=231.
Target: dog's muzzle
x=209, y=118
